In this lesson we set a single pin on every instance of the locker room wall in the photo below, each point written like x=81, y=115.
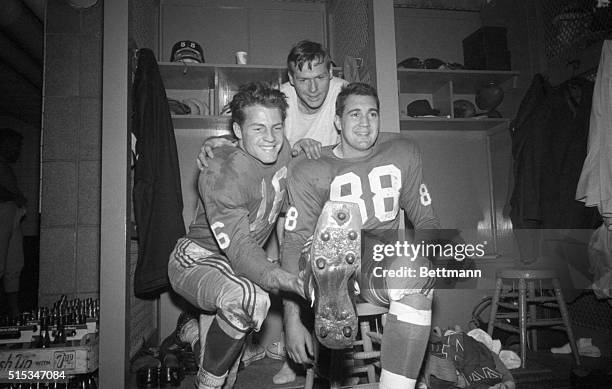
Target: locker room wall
x=469, y=189
x=143, y=23
x=456, y=170
x=264, y=29
x=70, y=219
x=433, y=34
x=454, y=163
x=416, y=38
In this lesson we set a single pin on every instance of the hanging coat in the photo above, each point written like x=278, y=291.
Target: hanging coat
x=549, y=137
x=563, y=157
x=528, y=142
x=595, y=185
x=158, y=201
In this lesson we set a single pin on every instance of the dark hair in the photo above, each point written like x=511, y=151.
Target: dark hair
x=9, y=134
x=256, y=93
x=355, y=88
x=307, y=52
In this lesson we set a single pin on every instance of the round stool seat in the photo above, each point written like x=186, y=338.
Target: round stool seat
x=530, y=274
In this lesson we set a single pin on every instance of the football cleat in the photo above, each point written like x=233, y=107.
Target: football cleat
x=334, y=258
x=176, y=341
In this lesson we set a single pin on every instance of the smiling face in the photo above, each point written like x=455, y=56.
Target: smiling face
x=311, y=84
x=359, y=124
x=261, y=133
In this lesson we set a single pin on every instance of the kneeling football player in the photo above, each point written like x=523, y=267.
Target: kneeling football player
x=220, y=265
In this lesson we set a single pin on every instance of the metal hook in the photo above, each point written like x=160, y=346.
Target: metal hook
x=185, y=68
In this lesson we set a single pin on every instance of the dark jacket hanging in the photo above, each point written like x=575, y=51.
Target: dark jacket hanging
x=158, y=201
x=549, y=144
x=528, y=133
x=566, y=149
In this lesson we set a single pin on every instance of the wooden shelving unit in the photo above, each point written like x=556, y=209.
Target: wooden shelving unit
x=441, y=88
x=214, y=85
x=450, y=124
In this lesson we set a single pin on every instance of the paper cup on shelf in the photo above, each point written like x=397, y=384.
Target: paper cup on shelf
x=241, y=57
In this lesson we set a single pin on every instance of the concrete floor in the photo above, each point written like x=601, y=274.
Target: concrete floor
x=544, y=371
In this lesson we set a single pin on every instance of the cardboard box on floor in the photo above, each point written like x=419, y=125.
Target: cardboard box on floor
x=70, y=360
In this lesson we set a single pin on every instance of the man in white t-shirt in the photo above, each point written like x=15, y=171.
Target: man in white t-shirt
x=311, y=94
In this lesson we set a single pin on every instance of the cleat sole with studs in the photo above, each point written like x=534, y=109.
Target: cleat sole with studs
x=335, y=257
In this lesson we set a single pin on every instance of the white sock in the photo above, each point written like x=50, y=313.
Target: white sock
x=284, y=375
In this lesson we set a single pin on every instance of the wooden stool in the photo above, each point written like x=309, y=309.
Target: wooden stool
x=528, y=298
x=369, y=356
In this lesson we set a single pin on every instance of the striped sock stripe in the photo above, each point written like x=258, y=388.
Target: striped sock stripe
x=248, y=290
x=409, y=314
x=227, y=321
x=390, y=380
x=250, y=306
x=179, y=250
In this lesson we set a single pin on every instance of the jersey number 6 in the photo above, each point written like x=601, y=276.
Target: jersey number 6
x=222, y=238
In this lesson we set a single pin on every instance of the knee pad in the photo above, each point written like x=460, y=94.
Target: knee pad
x=261, y=307
x=247, y=310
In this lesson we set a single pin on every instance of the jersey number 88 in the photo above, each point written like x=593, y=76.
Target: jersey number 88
x=355, y=194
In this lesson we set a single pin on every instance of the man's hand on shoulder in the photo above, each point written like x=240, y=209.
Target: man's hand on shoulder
x=310, y=147
x=206, y=151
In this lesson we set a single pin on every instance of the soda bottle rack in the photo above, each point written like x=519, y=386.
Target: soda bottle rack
x=67, y=320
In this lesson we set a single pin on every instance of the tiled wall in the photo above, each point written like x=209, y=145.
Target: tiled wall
x=144, y=16
x=71, y=139
x=266, y=29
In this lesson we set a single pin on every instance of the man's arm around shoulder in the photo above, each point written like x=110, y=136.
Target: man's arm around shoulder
x=211, y=143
